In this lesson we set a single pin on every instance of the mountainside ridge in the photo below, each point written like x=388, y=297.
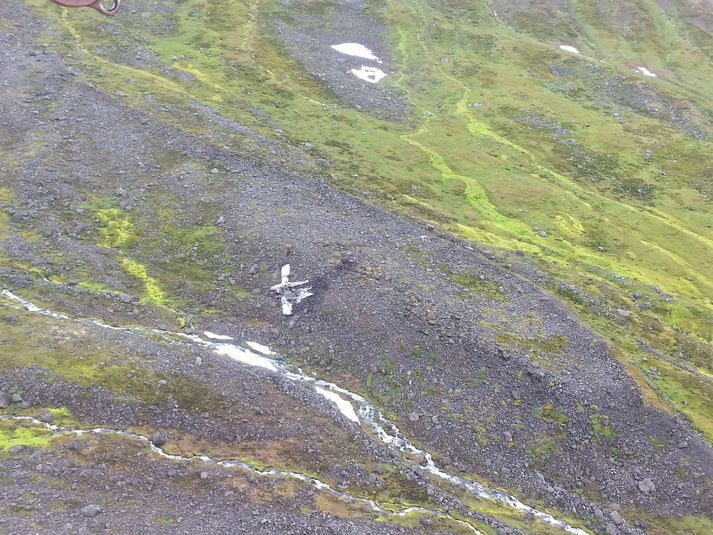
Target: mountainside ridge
x=159, y=169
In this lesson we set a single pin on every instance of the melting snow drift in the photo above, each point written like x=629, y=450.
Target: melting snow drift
x=246, y=357
x=356, y=49
x=260, y=348
x=369, y=74
x=344, y=406
x=214, y=336
x=646, y=72
x=569, y=48
x=366, y=73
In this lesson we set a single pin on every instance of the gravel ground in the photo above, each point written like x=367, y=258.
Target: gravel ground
x=309, y=35
x=386, y=318
x=110, y=485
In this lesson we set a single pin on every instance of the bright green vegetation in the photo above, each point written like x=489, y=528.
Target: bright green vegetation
x=512, y=143
x=117, y=230
x=19, y=433
x=690, y=391
x=153, y=292
x=186, y=254
x=168, y=257
x=682, y=383
x=601, y=428
x=508, y=138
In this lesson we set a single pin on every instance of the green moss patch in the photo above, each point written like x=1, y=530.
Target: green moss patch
x=20, y=433
x=549, y=413
x=601, y=427
x=117, y=230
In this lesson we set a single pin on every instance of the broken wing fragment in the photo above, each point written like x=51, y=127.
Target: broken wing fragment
x=286, y=307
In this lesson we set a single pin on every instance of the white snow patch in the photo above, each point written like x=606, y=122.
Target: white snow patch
x=570, y=48
x=214, y=336
x=356, y=49
x=344, y=406
x=246, y=357
x=260, y=348
x=369, y=74
x=646, y=72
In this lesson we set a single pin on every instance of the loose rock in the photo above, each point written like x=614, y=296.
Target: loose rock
x=157, y=439
x=91, y=511
x=646, y=486
x=616, y=518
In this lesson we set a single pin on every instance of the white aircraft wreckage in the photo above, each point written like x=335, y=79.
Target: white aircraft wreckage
x=290, y=292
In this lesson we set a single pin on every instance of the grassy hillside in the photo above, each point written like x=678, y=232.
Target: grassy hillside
x=599, y=172
x=583, y=174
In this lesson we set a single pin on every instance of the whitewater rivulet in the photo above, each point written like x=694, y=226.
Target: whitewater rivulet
x=237, y=463
x=368, y=415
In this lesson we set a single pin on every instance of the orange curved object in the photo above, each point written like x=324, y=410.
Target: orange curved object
x=96, y=4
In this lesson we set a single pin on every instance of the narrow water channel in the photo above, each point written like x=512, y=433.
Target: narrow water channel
x=366, y=415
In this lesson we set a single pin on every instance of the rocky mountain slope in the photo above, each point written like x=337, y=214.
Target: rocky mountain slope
x=507, y=237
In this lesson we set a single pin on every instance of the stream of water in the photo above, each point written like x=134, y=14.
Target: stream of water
x=236, y=463
x=366, y=415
